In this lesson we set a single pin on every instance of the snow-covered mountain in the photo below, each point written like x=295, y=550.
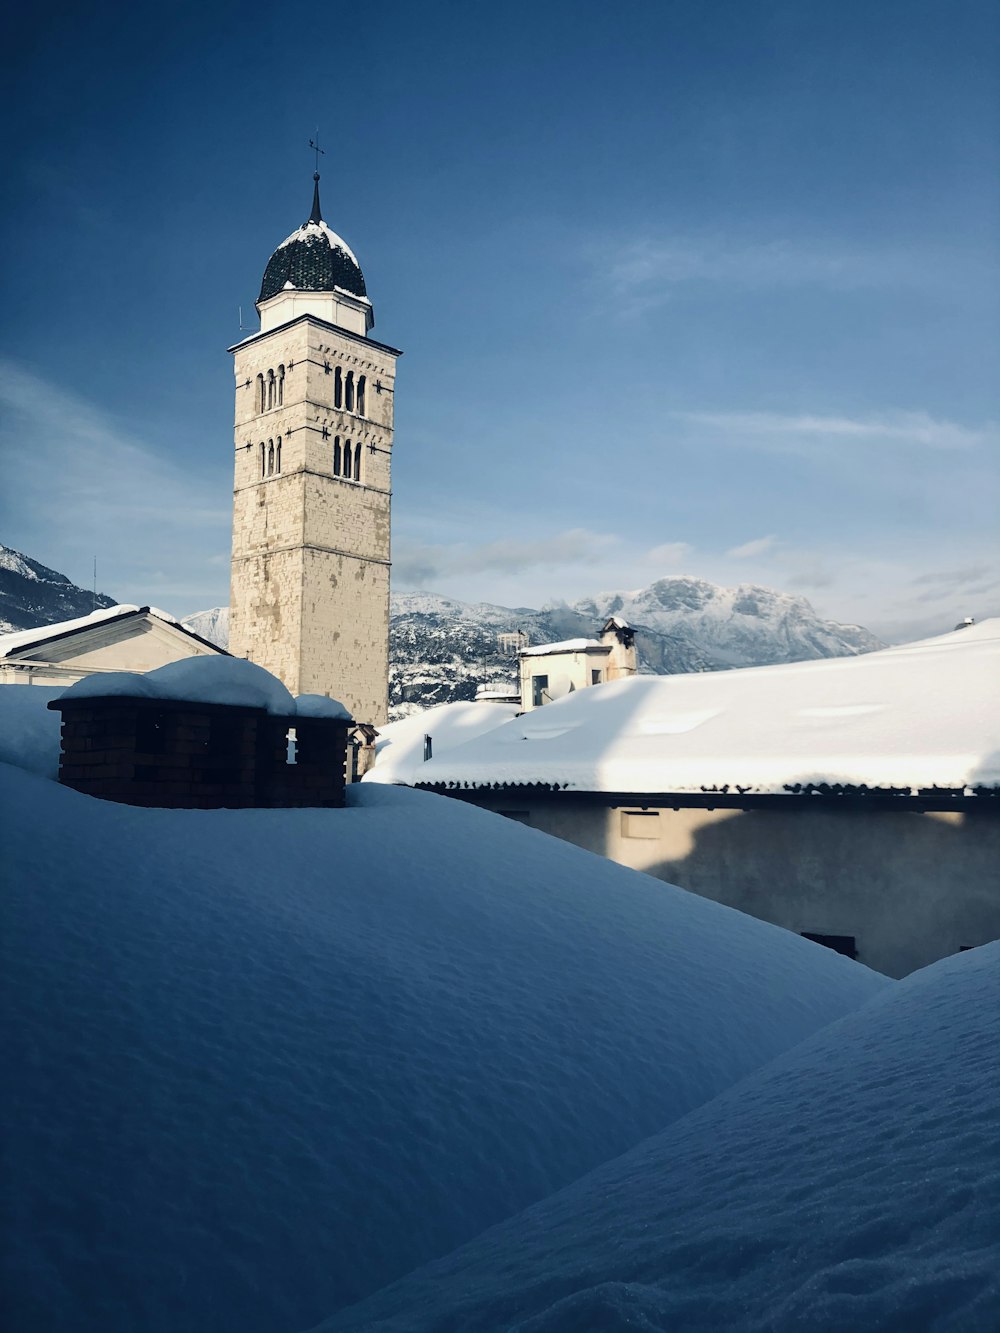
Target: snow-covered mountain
x=31, y=594
x=441, y=649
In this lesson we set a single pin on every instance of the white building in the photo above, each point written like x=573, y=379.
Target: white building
x=313, y=443
x=855, y=800
x=117, y=638
x=549, y=671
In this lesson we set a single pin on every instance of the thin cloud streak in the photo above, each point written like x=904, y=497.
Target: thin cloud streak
x=895, y=427
x=415, y=564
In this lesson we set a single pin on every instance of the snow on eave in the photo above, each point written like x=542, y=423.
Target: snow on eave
x=565, y=646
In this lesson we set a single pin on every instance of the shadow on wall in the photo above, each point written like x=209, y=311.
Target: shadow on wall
x=909, y=887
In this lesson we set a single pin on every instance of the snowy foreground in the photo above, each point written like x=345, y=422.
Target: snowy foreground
x=852, y=1185
x=264, y=1063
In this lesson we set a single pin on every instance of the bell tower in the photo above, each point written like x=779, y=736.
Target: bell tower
x=313, y=445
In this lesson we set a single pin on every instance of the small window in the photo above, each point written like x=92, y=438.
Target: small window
x=361, y=395
x=281, y=385
x=336, y=455
x=270, y=389
x=348, y=460
x=539, y=690
x=844, y=944
x=263, y=459
x=261, y=394
x=349, y=391
x=595, y=676
x=357, y=461
x=277, y=454
x=640, y=823
x=270, y=458
x=338, y=387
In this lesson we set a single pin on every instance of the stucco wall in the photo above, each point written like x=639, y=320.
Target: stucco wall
x=910, y=887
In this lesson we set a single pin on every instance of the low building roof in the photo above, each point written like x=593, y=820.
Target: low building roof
x=24, y=641
x=565, y=646
x=907, y=719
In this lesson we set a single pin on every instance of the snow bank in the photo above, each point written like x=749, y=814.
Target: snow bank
x=852, y=1184
x=400, y=746
x=923, y=715
x=264, y=1062
x=219, y=680
x=29, y=732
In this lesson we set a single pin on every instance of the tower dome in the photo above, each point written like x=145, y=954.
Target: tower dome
x=313, y=259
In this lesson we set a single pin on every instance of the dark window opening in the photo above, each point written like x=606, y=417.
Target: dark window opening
x=349, y=391
x=539, y=690
x=281, y=385
x=361, y=395
x=338, y=388
x=270, y=457
x=595, y=677
x=277, y=455
x=348, y=462
x=336, y=455
x=844, y=944
x=261, y=397
x=357, y=461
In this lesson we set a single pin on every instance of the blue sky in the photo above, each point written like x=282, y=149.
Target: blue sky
x=693, y=287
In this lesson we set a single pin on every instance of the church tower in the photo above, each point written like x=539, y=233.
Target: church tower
x=314, y=419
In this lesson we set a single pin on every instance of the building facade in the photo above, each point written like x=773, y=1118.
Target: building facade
x=312, y=485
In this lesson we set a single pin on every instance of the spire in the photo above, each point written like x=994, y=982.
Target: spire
x=316, y=215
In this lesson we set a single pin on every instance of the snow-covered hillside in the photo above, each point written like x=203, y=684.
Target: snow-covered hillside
x=853, y=1184
x=31, y=594
x=262, y=1063
x=441, y=649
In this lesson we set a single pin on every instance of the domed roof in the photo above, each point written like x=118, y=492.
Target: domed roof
x=313, y=259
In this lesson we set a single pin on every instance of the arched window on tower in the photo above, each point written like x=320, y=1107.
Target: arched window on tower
x=338, y=387
x=336, y=455
x=270, y=389
x=281, y=386
x=277, y=454
x=270, y=458
x=348, y=468
x=260, y=393
x=349, y=391
x=357, y=461
x=263, y=460
x=361, y=395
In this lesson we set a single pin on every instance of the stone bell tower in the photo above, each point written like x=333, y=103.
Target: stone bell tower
x=314, y=421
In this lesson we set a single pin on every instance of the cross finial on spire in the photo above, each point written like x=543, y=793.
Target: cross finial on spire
x=314, y=145
x=316, y=215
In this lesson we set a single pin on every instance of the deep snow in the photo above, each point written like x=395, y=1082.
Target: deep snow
x=916, y=716
x=264, y=1062
x=852, y=1185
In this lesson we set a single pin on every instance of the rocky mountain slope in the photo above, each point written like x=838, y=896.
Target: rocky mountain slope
x=32, y=594
x=441, y=649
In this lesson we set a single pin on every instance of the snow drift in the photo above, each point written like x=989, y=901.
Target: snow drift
x=265, y=1062
x=852, y=1184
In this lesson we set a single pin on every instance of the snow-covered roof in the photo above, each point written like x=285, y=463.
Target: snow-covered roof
x=851, y=1184
x=399, y=749
x=12, y=645
x=269, y=1060
x=565, y=646
x=313, y=259
x=922, y=715
x=215, y=680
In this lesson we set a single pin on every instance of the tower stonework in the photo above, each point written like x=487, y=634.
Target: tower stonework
x=311, y=501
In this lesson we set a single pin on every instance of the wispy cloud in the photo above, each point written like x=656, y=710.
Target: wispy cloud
x=910, y=428
x=415, y=565
x=759, y=546
x=84, y=485
x=669, y=554
x=646, y=270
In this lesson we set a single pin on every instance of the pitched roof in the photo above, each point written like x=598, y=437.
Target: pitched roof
x=27, y=640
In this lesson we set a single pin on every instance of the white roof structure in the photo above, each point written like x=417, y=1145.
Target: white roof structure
x=565, y=646
x=13, y=645
x=905, y=719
